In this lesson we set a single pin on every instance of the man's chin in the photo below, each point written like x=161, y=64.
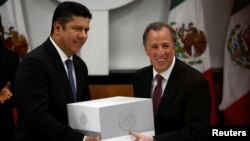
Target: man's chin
x=160, y=68
x=75, y=51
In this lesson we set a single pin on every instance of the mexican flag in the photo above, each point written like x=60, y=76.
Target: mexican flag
x=236, y=91
x=186, y=18
x=14, y=28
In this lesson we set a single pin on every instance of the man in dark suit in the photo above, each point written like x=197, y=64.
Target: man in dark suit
x=183, y=113
x=8, y=65
x=43, y=79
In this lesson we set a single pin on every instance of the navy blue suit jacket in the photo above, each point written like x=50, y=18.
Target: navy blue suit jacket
x=43, y=92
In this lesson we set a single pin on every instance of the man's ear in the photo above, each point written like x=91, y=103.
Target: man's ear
x=57, y=27
x=146, y=50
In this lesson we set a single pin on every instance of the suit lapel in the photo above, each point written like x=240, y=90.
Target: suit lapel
x=169, y=92
x=148, y=81
x=55, y=57
x=78, y=80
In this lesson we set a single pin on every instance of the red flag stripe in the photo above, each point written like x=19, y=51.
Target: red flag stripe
x=214, y=101
x=238, y=113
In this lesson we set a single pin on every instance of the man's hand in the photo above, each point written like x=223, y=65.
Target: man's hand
x=92, y=138
x=141, y=137
x=5, y=93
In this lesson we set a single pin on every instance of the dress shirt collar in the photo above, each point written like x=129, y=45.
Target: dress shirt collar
x=166, y=73
x=63, y=56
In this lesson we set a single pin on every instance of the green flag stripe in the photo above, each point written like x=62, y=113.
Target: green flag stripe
x=239, y=5
x=2, y=2
x=175, y=3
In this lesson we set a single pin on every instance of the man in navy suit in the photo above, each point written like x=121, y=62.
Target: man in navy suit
x=183, y=113
x=42, y=82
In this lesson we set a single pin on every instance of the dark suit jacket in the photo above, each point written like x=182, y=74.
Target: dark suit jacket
x=43, y=91
x=8, y=65
x=185, y=106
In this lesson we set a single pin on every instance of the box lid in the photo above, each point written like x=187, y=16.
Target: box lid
x=105, y=102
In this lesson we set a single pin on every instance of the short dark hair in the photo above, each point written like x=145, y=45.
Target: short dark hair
x=66, y=10
x=157, y=26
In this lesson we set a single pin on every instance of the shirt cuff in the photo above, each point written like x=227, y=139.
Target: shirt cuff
x=84, y=138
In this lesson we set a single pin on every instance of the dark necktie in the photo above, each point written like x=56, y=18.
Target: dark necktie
x=71, y=78
x=157, y=94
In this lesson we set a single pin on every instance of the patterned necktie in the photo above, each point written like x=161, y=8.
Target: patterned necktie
x=71, y=78
x=157, y=93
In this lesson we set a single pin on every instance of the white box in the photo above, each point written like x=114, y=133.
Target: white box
x=112, y=118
